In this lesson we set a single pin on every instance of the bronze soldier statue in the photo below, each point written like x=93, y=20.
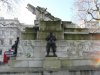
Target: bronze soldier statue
x=15, y=46
x=51, y=44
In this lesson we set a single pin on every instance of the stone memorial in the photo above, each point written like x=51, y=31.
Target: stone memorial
x=70, y=50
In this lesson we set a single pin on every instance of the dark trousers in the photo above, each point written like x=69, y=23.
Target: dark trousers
x=51, y=46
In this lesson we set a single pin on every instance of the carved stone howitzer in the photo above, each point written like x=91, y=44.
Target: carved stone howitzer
x=41, y=13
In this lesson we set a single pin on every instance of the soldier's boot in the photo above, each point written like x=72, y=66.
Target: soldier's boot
x=47, y=54
x=54, y=54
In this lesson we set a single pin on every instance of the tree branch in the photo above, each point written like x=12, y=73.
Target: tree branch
x=93, y=16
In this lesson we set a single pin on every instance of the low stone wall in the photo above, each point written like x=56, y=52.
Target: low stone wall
x=74, y=57
x=65, y=48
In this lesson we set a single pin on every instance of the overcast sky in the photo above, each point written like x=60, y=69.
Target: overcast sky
x=58, y=8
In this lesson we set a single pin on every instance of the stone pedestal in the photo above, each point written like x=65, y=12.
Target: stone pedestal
x=45, y=27
x=52, y=64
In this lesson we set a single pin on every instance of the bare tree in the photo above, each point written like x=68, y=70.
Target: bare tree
x=88, y=9
x=9, y=4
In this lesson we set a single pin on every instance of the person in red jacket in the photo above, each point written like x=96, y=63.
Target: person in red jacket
x=5, y=58
x=7, y=55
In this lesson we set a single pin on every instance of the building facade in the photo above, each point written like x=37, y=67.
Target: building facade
x=10, y=29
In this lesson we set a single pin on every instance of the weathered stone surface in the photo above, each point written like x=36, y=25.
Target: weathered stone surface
x=75, y=62
x=29, y=34
x=26, y=62
x=45, y=27
x=65, y=48
x=42, y=35
x=66, y=63
x=50, y=26
x=52, y=63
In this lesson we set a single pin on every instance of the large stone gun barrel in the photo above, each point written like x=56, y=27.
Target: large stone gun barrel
x=41, y=13
x=31, y=8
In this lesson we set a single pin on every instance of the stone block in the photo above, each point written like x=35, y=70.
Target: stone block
x=12, y=60
x=50, y=26
x=42, y=35
x=66, y=63
x=52, y=64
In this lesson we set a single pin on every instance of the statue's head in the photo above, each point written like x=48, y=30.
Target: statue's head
x=51, y=33
x=17, y=38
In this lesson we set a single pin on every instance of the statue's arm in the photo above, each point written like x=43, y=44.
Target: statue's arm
x=47, y=38
x=54, y=38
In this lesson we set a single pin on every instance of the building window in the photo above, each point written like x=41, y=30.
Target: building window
x=0, y=51
x=1, y=41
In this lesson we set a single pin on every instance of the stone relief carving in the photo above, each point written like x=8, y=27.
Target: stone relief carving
x=27, y=48
x=78, y=48
x=70, y=48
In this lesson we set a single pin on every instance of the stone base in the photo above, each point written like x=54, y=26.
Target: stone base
x=52, y=64
x=12, y=61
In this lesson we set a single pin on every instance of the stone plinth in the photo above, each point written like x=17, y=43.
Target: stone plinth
x=52, y=64
x=45, y=27
x=50, y=26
